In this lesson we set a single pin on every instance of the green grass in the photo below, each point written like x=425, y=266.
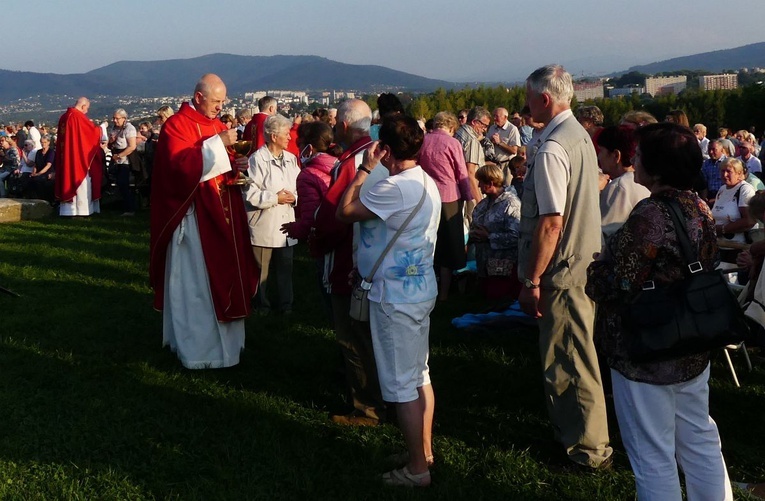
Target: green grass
x=91, y=406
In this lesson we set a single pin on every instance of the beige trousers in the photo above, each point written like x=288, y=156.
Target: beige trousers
x=573, y=388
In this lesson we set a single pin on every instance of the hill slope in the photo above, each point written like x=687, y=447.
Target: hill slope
x=241, y=74
x=728, y=59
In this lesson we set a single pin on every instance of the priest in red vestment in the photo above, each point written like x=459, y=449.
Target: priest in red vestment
x=202, y=268
x=79, y=162
x=253, y=131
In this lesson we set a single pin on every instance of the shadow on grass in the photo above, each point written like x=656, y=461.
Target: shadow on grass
x=171, y=437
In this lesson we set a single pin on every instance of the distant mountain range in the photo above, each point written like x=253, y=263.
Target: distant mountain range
x=176, y=77
x=241, y=73
x=747, y=56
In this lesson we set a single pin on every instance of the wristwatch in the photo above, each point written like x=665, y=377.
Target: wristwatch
x=529, y=284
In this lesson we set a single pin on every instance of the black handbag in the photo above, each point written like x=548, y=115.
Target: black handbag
x=696, y=314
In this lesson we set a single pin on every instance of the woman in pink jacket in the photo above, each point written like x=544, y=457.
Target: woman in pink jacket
x=318, y=155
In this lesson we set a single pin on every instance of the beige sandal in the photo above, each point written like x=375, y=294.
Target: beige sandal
x=402, y=478
x=402, y=458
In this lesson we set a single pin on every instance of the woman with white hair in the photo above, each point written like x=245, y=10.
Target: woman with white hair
x=270, y=201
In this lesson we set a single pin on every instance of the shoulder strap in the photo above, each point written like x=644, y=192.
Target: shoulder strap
x=400, y=230
x=737, y=194
x=682, y=235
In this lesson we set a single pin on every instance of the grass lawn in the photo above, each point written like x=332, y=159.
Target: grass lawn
x=92, y=407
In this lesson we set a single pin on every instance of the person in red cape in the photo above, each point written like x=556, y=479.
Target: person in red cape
x=78, y=161
x=334, y=240
x=253, y=131
x=201, y=266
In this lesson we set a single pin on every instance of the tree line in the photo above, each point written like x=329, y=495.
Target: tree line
x=741, y=108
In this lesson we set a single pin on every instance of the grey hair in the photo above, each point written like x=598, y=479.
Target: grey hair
x=266, y=102
x=356, y=113
x=47, y=137
x=553, y=80
x=477, y=113
x=120, y=112
x=701, y=127
x=275, y=124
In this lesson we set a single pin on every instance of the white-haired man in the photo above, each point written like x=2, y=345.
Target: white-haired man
x=332, y=114
x=504, y=136
x=122, y=142
x=700, y=131
x=334, y=239
x=560, y=231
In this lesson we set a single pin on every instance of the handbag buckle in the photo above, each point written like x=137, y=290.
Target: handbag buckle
x=649, y=285
x=695, y=267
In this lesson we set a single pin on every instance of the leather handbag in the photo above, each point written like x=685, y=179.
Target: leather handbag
x=696, y=314
x=499, y=267
x=360, y=294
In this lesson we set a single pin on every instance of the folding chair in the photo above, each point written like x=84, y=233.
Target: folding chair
x=742, y=293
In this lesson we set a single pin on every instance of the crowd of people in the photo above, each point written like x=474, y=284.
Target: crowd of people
x=559, y=213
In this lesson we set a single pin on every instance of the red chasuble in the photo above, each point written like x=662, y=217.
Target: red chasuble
x=332, y=236
x=253, y=131
x=220, y=213
x=78, y=150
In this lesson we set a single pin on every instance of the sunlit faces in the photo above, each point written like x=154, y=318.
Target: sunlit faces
x=537, y=104
x=481, y=125
x=715, y=151
x=500, y=118
x=281, y=139
x=210, y=105
x=731, y=176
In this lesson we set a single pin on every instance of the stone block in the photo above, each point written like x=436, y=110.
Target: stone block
x=12, y=210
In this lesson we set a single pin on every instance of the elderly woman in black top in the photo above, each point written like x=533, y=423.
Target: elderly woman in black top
x=662, y=407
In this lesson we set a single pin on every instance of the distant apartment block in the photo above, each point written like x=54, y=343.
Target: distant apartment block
x=626, y=91
x=656, y=86
x=588, y=90
x=714, y=82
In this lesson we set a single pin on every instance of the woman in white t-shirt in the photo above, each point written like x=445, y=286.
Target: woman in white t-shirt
x=404, y=287
x=731, y=208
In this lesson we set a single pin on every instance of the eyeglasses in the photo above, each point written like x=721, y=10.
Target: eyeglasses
x=462, y=117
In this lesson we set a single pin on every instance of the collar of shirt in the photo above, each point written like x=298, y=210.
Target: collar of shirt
x=469, y=130
x=557, y=119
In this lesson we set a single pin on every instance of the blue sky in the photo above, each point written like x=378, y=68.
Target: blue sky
x=447, y=39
